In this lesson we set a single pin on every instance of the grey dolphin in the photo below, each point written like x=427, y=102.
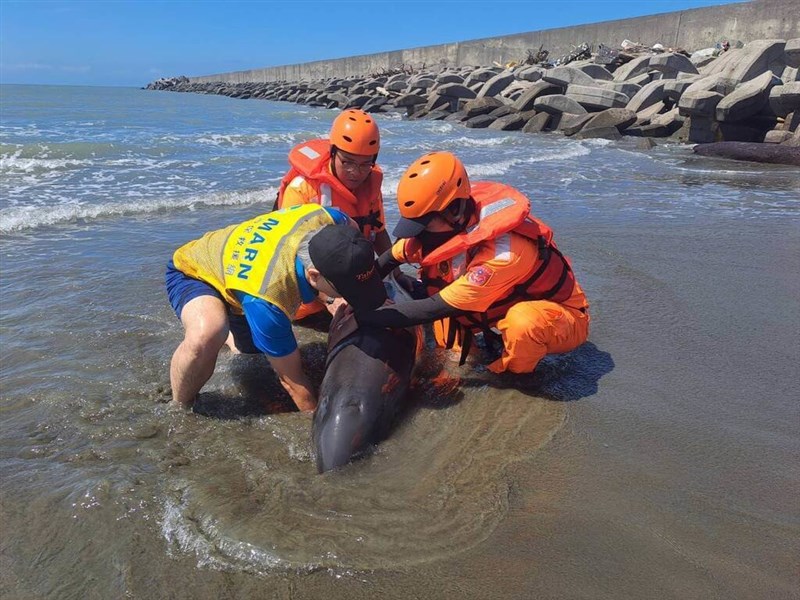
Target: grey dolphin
x=365, y=383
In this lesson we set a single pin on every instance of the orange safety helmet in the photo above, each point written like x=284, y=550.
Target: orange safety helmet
x=428, y=186
x=356, y=132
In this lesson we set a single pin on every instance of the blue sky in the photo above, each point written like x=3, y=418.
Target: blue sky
x=133, y=43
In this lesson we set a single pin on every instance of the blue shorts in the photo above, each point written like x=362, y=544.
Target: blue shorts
x=181, y=289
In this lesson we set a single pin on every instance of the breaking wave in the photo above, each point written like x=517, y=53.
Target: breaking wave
x=22, y=218
x=258, y=139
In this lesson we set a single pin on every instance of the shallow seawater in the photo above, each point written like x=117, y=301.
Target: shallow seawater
x=657, y=460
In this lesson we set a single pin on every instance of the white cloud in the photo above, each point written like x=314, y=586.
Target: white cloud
x=29, y=67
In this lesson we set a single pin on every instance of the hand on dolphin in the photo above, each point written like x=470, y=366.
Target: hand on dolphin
x=367, y=375
x=343, y=324
x=346, y=320
x=334, y=305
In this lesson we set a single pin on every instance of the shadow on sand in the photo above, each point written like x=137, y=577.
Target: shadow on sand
x=254, y=390
x=562, y=377
x=558, y=377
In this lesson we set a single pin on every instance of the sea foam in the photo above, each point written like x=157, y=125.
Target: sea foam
x=22, y=218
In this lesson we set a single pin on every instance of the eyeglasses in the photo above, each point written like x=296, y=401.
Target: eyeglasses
x=353, y=166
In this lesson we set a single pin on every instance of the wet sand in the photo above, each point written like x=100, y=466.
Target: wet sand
x=660, y=460
x=671, y=473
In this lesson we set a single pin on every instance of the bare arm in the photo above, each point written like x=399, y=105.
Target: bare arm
x=290, y=372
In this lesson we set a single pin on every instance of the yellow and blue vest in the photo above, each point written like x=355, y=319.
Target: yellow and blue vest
x=256, y=257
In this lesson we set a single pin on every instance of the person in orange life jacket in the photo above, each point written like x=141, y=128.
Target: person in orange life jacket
x=340, y=172
x=488, y=266
x=249, y=279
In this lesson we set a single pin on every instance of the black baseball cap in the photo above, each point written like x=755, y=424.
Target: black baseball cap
x=347, y=259
x=408, y=228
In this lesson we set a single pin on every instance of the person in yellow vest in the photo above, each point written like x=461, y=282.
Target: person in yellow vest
x=488, y=264
x=249, y=279
x=340, y=172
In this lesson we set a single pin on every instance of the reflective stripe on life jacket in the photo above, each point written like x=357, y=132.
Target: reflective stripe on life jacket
x=311, y=161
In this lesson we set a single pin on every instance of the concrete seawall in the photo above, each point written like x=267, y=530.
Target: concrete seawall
x=689, y=29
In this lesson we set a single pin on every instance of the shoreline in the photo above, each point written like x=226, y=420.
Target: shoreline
x=748, y=95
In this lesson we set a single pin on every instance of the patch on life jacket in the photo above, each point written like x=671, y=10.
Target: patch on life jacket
x=309, y=152
x=444, y=268
x=479, y=275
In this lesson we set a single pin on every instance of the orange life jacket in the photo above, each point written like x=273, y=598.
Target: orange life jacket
x=311, y=160
x=501, y=209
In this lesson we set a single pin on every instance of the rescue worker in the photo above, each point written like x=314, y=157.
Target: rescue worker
x=488, y=265
x=340, y=172
x=249, y=279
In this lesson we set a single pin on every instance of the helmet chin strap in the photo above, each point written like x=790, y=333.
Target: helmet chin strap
x=459, y=223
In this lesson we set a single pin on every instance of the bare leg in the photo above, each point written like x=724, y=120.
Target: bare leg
x=205, y=321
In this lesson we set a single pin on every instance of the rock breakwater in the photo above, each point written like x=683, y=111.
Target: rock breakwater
x=747, y=94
